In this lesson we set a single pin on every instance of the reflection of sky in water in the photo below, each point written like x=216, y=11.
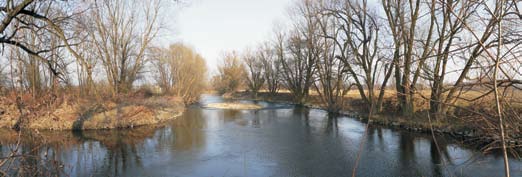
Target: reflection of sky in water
x=268, y=142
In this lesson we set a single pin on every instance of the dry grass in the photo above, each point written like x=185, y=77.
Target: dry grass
x=84, y=113
x=465, y=99
x=464, y=111
x=234, y=105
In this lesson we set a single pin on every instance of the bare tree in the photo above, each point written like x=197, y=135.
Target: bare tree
x=483, y=41
x=122, y=34
x=331, y=79
x=271, y=67
x=36, y=19
x=445, y=33
x=409, y=54
x=298, y=65
x=255, y=73
x=357, y=37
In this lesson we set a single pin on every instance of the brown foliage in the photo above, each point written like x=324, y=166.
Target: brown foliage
x=181, y=72
x=231, y=74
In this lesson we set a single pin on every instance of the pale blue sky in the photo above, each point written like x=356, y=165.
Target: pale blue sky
x=215, y=26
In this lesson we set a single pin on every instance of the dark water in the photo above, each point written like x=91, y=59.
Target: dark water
x=281, y=140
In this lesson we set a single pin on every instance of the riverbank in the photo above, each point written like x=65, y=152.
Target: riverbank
x=467, y=130
x=87, y=114
x=284, y=137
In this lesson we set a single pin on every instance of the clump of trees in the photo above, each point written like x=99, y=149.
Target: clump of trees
x=65, y=51
x=422, y=50
x=72, y=54
x=122, y=38
x=271, y=68
x=230, y=75
x=180, y=71
x=92, y=48
x=449, y=54
x=254, y=68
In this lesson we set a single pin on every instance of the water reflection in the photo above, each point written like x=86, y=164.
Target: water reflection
x=113, y=152
x=437, y=157
x=38, y=160
x=186, y=132
x=280, y=140
x=331, y=126
x=407, y=153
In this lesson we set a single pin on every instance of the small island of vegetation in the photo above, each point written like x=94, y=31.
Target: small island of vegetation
x=234, y=105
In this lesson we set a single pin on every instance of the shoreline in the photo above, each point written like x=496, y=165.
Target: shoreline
x=460, y=132
x=93, y=114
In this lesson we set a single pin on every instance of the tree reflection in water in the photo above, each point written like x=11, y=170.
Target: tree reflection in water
x=287, y=141
x=187, y=130
x=407, y=153
x=331, y=125
x=32, y=158
x=121, y=147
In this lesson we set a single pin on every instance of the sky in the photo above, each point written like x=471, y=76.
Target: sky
x=212, y=27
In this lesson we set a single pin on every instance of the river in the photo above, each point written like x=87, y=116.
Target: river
x=279, y=140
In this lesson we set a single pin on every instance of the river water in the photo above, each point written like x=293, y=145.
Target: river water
x=280, y=140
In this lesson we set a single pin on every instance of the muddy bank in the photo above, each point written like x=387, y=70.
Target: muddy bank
x=90, y=114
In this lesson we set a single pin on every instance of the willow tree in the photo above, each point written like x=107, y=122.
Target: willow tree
x=231, y=73
x=402, y=18
x=29, y=26
x=122, y=32
x=445, y=36
x=496, y=52
x=331, y=79
x=484, y=37
x=356, y=35
x=271, y=68
x=180, y=71
x=299, y=53
x=255, y=73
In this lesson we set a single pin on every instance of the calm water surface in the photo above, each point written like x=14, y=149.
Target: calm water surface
x=281, y=140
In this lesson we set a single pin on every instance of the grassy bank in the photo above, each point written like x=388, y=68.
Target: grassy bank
x=70, y=113
x=463, y=126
